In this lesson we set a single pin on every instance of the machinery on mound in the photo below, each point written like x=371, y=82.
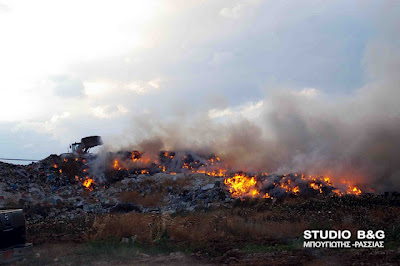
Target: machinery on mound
x=85, y=145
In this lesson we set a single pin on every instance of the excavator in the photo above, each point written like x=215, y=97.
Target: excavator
x=83, y=147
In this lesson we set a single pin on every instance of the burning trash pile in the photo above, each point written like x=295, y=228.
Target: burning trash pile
x=275, y=186
x=69, y=186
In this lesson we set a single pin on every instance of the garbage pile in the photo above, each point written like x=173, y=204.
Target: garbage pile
x=70, y=186
x=58, y=187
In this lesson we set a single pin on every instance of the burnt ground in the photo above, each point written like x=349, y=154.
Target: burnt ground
x=249, y=232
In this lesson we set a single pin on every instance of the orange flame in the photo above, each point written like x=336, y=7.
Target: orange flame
x=116, y=165
x=354, y=190
x=87, y=183
x=241, y=185
x=134, y=156
x=267, y=196
x=167, y=154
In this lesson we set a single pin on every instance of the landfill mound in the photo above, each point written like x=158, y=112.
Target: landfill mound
x=52, y=188
x=68, y=186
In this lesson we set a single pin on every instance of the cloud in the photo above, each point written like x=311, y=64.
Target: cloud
x=109, y=111
x=221, y=58
x=104, y=88
x=57, y=118
x=141, y=87
x=239, y=9
x=352, y=135
x=47, y=126
x=67, y=87
x=164, y=61
x=308, y=92
x=248, y=110
x=4, y=8
x=233, y=12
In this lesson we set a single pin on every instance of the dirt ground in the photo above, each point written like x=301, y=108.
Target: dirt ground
x=247, y=233
x=84, y=254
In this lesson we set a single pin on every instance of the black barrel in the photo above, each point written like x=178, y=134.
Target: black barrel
x=12, y=228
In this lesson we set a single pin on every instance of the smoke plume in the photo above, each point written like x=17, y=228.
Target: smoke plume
x=354, y=136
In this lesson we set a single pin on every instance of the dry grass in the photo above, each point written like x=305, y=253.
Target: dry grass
x=146, y=227
x=195, y=227
x=255, y=228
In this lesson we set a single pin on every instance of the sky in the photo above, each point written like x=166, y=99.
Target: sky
x=71, y=69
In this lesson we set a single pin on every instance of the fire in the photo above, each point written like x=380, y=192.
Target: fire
x=285, y=187
x=87, y=183
x=267, y=196
x=219, y=173
x=288, y=187
x=337, y=192
x=135, y=156
x=351, y=189
x=116, y=165
x=316, y=186
x=328, y=180
x=241, y=185
x=145, y=160
x=354, y=190
x=169, y=155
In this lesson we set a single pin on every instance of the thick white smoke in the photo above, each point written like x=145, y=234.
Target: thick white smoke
x=355, y=136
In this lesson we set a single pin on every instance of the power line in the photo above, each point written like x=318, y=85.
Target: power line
x=12, y=159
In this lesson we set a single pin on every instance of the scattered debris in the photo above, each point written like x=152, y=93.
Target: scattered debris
x=73, y=186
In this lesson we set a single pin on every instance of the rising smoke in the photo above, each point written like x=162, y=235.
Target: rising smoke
x=355, y=136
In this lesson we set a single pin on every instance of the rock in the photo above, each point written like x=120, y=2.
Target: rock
x=124, y=240
x=125, y=207
x=208, y=186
